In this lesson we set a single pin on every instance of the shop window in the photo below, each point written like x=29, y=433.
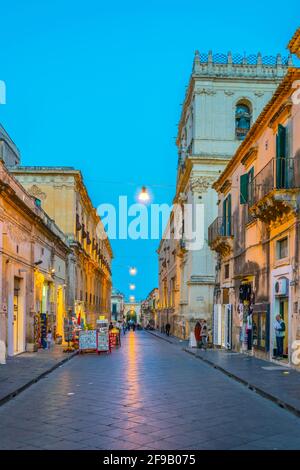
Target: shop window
x=260, y=330
x=242, y=120
x=282, y=248
x=226, y=271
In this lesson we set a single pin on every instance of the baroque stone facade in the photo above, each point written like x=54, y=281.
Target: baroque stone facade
x=34, y=257
x=64, y=197
x=225, y=95
x=258, y=272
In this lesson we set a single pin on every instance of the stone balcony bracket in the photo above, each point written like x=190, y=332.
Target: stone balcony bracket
x=276, y=205
x=222, y=245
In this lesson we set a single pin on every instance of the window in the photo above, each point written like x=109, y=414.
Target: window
x=246, y=187
x=260, y=330
x=242, y=120
x=281, y=173
x=226, y=271
x=282, y=248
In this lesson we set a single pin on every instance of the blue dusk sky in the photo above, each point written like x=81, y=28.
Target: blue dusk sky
x=98, y=86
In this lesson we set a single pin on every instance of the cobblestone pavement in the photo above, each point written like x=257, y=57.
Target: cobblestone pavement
x=149, y=394
x=20, y=371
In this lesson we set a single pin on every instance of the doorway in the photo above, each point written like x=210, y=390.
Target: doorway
x=284, y=313
x=17, y=318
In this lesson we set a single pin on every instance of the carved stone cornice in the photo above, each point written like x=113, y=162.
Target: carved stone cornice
x=201, y=183
x=15, y=233
x=205, y=91
x=250, y=156
x=35, y=191
x=281, y=114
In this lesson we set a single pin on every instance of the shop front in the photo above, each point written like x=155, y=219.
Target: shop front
x=281, y=305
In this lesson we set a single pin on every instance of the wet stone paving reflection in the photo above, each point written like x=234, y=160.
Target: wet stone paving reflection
x=148, y=394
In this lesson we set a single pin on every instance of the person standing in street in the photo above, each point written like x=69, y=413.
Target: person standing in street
x=279, y=327
x=168, y=327
x=204, y=334
x=197, y=332
x=49, y=340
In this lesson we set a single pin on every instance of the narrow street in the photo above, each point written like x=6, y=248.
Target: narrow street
x=148, y=394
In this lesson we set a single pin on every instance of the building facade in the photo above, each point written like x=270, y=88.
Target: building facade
x=169, y=262
x=132, y=311
x=64, y=197
x=225, y=95
x=149, y=309
x=34, y=258
x=117, y=305
x=256, y=233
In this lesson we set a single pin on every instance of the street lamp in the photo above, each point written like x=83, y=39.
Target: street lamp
x=144, y=195
x=131, y=286
x=132, y=271
x=132, y=298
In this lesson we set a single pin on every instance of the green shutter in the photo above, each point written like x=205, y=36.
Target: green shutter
x=250, y=186
x=228, y=231
x=280, y=156
x=223, y=232
x=244, y=189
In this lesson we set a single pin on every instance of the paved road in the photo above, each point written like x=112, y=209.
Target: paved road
x=147, y=395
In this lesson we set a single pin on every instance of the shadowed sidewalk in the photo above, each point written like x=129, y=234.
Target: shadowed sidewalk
x=278, y=383
x=21, y=371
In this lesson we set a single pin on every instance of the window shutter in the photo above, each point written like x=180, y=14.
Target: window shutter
x=282, y=141
x=244, y=189
x=228, y=231
x=250, y=186
x=280, y=156
x=224, y=217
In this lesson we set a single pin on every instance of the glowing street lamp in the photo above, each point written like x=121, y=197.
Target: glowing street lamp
x=144, y=195
x=131, y=286
x=132, y=271
x=132, y=298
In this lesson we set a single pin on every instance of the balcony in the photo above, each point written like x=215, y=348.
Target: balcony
x=220, y=235
x=274, y=190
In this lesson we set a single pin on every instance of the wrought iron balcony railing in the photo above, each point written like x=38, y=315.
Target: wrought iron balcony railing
x=220, y=228
x=278, y=174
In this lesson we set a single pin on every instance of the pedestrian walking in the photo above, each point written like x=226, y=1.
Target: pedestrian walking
x=279, y=327
x=124, y=328
x=197, y=332
x=204, y=334
x=110, y=326
x=49, y=339
x=168, y=327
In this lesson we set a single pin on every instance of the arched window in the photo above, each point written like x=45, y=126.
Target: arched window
x=242, y=120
